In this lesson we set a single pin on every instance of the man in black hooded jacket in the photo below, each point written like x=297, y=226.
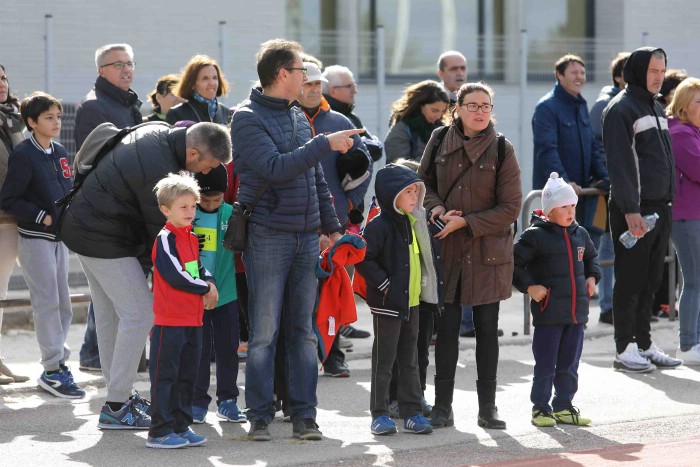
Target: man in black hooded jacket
x=640, y=163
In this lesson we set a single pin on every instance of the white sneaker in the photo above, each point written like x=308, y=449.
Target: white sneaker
x=632, y=361
x=659, y=358
x=690, y=357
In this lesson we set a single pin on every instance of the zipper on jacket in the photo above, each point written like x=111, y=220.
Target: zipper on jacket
x=669, y=151
x=571, y=274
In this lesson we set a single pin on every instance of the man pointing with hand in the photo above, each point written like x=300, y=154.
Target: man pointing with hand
x=279, y=162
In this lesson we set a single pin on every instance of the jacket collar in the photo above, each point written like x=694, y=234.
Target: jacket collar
x=177, y=139
x=473, y=147
x=560, y=93
x=127, y=98
x=257, y=96
x=538, y=219
x=641, y=93
x=321, y=109
x=178, y=230
x=342, y=107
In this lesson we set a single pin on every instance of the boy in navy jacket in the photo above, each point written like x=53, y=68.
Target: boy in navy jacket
x=38, y=174
x=182, y=289
x=400, y=271
x=557, y=265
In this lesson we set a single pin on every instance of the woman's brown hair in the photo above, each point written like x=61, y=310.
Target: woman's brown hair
x=417, y=95
x=191, y=71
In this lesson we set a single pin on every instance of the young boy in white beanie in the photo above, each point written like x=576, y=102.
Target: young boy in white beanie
x=557, y=265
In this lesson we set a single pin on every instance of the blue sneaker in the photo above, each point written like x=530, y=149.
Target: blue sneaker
x=61, y=384
x=192, y=438
x=383, y=425
x=127, y=418
x=418, y=425
x=198, y=414
x=169, y=441
x=229, y=411
x=142, y=404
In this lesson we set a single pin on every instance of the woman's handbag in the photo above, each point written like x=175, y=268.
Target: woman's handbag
x=236, y=236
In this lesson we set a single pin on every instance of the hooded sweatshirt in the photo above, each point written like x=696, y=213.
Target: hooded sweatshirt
x=637, y=142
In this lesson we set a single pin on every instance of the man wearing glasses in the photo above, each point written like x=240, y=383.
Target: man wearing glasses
x=111, y=100
x=279, y=161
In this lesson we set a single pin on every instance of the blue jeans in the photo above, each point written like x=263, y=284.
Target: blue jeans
x=686, y=239
x=280, y=268
x=89, y=352
x=467, y=324
x=605, y=286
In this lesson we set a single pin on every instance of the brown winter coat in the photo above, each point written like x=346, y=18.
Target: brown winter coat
x=15, y=136
x=481, y=254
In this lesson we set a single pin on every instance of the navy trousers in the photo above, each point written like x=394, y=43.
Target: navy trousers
x=174, y=359
x=557, y=351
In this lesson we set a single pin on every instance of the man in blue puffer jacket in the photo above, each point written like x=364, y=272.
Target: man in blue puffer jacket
x=275, y=154
x=563, y=138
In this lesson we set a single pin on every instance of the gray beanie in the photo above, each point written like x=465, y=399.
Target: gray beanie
x=557, y=193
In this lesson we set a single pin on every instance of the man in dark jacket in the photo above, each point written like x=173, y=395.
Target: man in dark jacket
x=279, y=162
x=640, y=162
x=564, y=141
x=605, y=245
x=111, y=221
x=111, y=100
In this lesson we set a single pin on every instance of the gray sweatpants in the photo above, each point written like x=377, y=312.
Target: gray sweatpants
x=123, y=317
x=45, y=268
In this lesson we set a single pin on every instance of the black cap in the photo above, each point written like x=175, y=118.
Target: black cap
x=215, y=180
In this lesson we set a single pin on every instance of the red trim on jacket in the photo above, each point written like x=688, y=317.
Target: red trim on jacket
x=572, y=276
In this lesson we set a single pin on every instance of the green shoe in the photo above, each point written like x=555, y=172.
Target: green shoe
x=571, y=416
x=542, y=418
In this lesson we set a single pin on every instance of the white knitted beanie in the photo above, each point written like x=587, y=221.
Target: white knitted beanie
x=557, y=193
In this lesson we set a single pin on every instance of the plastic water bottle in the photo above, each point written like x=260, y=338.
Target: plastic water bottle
x=628, y=240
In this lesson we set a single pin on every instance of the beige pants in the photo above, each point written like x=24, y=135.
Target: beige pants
x=8, y=255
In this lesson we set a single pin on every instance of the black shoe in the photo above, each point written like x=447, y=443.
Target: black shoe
x=606, y=317
x=307, y=429
x=488, y=418
x=440, y=419
x=336, y=369
x=353, y=333
x=258, y=431
x=471, y=333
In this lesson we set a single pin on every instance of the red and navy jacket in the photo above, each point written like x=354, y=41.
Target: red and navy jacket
x=559, y=259
x=177, y=294
x=34, y=181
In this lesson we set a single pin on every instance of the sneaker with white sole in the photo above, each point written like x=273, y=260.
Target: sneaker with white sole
x=61, y=384
x=659, y=358
x=169, y=441
x=690, y=357
x=229, y=411
x=128, y=417
x=193, y=439
x=632, y=361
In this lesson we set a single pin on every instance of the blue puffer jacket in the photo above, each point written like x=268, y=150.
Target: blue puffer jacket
x=298, y=199
x=564, y=141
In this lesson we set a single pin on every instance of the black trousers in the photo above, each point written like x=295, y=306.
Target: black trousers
x=395, y=340
x=425, y=335
x=220, y=330
x=174, y=361
x=638, y=273
x=447, y=341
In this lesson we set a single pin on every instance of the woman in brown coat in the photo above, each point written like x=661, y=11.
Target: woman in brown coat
x=477, y=196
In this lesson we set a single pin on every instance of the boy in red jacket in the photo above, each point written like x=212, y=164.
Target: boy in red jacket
x=182, y=289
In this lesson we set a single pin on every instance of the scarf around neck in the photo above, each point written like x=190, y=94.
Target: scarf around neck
x=420, y=126
x=212, y=104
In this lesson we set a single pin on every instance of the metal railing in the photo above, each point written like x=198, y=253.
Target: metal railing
x=670, y=257
x=19, y=302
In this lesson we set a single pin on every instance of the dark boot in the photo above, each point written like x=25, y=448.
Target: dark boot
x=488, y=412
x=442, y=415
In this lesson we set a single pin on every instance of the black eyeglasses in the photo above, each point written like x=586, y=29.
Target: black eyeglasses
x=303, y=70
x=120, y=65
x=471, y=107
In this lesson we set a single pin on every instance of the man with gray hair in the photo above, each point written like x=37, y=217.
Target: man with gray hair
x=452, y=71
x=339, y=89
x=112, y=220
x=111, y=100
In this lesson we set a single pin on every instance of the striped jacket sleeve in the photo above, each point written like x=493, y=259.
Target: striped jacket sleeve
x=169, y=267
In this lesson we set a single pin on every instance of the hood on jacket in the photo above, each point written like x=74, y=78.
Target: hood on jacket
x=635, y=71
x=608, y=92
x=390, y=181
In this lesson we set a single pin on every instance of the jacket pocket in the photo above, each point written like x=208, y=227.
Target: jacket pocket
x=486, y=174
x=545, y=302
x=496, y=250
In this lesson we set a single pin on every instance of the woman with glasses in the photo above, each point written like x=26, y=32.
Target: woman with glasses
x=163, y=99
x=473, y=188
x=11, y=126
x=201, y=84
x=414, y=116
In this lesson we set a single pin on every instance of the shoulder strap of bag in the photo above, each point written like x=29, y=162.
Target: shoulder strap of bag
x=437, y=142
x=249, y=209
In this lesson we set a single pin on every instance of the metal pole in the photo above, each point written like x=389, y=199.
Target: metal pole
x=381, y=83
x=48, y=54
x=645, y=37
x=222, y=46
x=523, y=87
